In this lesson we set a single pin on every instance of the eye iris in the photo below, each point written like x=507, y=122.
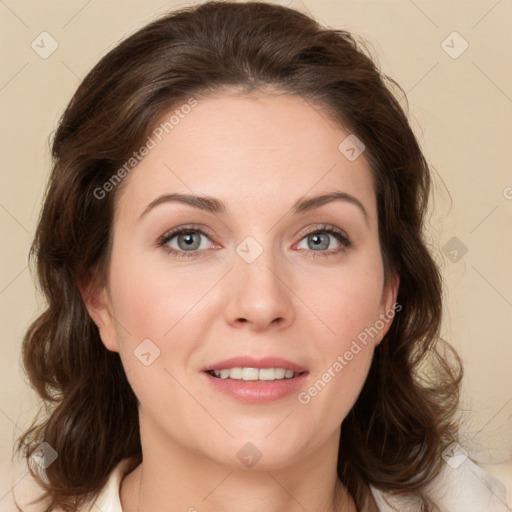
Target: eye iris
x=188, y=239
x=318, y=242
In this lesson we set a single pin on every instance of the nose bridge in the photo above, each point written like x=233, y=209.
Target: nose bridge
x=257, y=291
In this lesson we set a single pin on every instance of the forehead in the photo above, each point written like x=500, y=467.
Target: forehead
x=248, y=150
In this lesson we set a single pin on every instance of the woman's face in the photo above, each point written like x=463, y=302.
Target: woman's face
x=257, y=275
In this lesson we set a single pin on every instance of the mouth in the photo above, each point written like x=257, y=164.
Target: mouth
x=252, y=380
x=254, y=374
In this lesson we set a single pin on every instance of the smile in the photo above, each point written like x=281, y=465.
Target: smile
x=254, y=374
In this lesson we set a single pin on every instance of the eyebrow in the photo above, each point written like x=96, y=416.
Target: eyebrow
x=212, y=205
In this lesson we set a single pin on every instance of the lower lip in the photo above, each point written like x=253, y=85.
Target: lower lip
x=257, y=391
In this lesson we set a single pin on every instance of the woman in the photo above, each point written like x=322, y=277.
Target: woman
x=242, y=311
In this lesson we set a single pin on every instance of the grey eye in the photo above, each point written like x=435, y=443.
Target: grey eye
x=186, y=240
x=318, y=241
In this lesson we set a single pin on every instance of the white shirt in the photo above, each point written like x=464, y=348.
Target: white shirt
x=466, y=488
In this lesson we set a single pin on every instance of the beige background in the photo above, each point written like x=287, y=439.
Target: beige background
x=461, y=110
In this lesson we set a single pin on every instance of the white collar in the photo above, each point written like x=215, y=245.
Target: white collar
x=468, y=488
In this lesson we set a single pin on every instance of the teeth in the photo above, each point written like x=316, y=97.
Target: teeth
x=254, y=373
x=250, y=373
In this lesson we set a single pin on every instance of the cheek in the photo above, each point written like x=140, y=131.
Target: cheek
x=347, y=301
x=151, y=300
x=349, y=308
x=161, y=304
x=339, y=376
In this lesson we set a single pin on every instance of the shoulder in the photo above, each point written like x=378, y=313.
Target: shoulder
x=108, y=499
x=460, y=487
x=28, y=494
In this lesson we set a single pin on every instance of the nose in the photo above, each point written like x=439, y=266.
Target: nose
x=257, y=293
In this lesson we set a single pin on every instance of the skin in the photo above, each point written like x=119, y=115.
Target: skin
x=257, y=153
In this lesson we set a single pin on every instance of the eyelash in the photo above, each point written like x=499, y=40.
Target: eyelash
x=340, y=235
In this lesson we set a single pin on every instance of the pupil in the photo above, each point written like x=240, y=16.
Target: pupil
x=188, y=240
x=317, y=241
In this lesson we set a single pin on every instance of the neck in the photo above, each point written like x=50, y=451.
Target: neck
x=176, y=479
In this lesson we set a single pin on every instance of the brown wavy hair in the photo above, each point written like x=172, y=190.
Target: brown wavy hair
x=403, y=418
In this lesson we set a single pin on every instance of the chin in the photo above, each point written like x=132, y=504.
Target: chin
x=256, y=453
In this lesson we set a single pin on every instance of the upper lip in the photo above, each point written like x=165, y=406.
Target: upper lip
x=252, y=362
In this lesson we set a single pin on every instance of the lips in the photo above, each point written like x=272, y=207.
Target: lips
x=252, y=362
x=256, y=391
